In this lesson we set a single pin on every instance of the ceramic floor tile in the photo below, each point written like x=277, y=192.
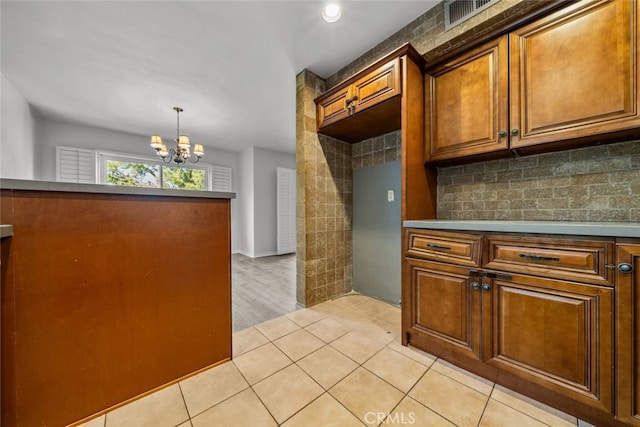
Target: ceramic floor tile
x=325, y=411
x=356, y=346
x=329, y=329
x=243, y=409
x=354, y=315
x=473, y=381
x=96, y=422
x=391, y=315
x=210, y=387
x=258, y=364
x=287, y=391
x=305, y=316
x=278, y=327
x=246, y=340
x=394, y=330
x=328, y=307
x=162, y=408
x=298, y=344
x=412, y=353
x=409, y=412
x=364, y=394
x=497, y=414
x=446, y=397
x=398, y=370
x=327, y=366
x=535, y=409
x=376, y=332
x=185, y=424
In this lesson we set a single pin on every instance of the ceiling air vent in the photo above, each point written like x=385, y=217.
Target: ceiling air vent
x=457, y=11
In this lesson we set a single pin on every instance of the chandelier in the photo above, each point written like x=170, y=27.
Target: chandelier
x=182, y=152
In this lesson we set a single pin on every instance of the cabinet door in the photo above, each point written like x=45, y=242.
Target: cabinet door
x=377, y=86
x=466, y=104
x=574, y=74
x=556, y=334
x=628, y=343
x=444, y=309
x=333, y=108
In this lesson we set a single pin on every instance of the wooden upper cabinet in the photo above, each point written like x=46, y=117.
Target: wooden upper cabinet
x=366, y=106
x=467, y=102
x=334, y=107
x=574, y=73
x=367, y=91
x=369, y=103
x=566, y=80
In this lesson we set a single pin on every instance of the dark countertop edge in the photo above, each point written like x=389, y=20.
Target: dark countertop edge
x=6, y=230
x=603, y=229
x=71, y=187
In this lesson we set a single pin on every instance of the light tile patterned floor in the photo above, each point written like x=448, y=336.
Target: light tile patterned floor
x=339, y=363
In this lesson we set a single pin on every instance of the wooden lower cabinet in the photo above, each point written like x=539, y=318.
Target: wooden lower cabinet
x=445, y=309
x=628, y=336
x=573, y=344
x=555, y=334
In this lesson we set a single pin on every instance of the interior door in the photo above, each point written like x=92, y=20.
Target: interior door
x=286, y=206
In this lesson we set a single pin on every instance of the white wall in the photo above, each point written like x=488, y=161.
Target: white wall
x=246, y=203
x=265, y=219
x=16, y=134
x=52, y=133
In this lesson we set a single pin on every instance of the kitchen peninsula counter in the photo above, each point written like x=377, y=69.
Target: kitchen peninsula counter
x=604, y=229
x=108, y=293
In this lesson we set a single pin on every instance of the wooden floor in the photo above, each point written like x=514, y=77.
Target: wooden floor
x=262, y=288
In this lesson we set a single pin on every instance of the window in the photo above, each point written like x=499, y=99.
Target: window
x=118, y=169
x=90, y=166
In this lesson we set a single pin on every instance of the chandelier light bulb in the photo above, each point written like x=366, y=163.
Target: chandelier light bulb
x=331, y=12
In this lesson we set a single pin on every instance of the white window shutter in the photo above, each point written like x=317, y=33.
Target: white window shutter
x=75, y=165
x=221, y=179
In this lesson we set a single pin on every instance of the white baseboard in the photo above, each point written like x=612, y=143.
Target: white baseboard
x=254, y=255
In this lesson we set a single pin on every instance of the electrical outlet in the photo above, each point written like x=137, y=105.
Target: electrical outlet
x=390, y=196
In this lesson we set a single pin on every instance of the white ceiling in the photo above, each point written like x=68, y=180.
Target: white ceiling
x=231, y=65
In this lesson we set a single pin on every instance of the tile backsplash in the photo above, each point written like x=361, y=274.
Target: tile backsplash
x=377, y=150
x=598, y=183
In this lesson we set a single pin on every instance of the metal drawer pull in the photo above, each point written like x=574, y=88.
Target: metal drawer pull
x=436, y=246
x=475, y=285
x=485, y=287
x=539, y=257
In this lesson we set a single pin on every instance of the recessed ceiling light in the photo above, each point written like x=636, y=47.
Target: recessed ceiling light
x=332, y=12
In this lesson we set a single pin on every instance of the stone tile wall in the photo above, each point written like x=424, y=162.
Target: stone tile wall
x=377, y=150
x=324, y=203
x=600, y=183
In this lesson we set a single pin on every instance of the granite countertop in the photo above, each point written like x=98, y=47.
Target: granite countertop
x=605, y=229
x=6, y=230
x=70, y=187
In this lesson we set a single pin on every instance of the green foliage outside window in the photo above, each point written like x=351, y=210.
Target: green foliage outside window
x=183, y=178
x=154, y=176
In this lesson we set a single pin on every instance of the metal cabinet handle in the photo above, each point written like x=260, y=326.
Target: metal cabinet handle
x=475, y=285
x=502, y=133
x=539, y=257
x=437, y=246
x=514, y=132
x=623, y=267
x=485, y=287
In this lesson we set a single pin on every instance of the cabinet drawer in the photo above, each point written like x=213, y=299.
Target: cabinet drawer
x=454, y=248
x=577, y=260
